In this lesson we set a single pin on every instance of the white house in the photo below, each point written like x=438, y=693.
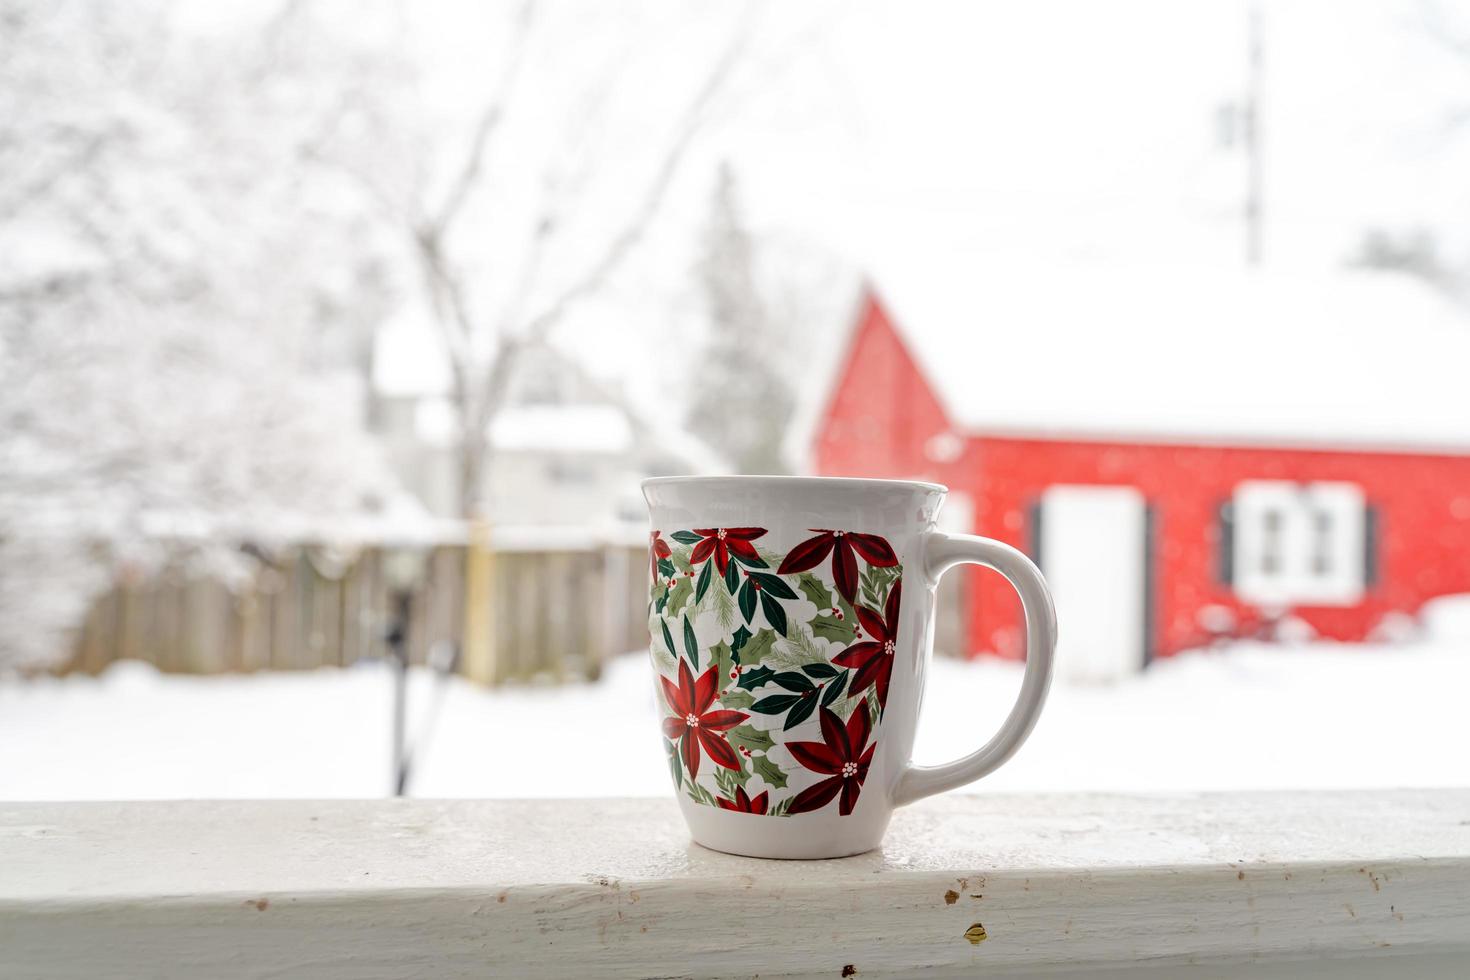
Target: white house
x=567, y=448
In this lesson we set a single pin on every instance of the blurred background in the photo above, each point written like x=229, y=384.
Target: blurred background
x=335, y=338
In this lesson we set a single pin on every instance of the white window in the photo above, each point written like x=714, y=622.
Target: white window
x=1299, y=543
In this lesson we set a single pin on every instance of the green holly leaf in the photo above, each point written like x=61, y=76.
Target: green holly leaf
x=661, y=601
x=691, y=646
x=756, y=562
x=773, y=585
x=747, y=599
x=793, y=680
x=685, y=537
x=676, y=763
x=666, y=568
x=775, y=703
x=679, y=595
x=668, y=639
x=732, y=578
x=751, y=679
x=800, y=713
x=738, y=641
x=736, y=699
x=815, y=590
x=680, y=558
x=722, y=658
x=834, y=690
x=705, y=576
x=758, y=647
x=834, y=629
x=751, y=738
x=763, y=767
x=775, y=614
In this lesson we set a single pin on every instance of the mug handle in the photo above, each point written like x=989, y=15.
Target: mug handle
x=941, y=553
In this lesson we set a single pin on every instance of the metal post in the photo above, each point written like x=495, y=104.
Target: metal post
x=398, y=651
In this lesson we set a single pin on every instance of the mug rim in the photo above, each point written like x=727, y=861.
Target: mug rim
x=792, y=481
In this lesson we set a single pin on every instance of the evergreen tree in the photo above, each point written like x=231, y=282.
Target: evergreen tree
x=743, y=404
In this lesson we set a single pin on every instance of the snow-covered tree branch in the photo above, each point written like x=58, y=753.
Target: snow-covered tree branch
x=183, y=303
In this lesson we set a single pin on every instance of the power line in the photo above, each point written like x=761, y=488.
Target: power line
x=1255, y=207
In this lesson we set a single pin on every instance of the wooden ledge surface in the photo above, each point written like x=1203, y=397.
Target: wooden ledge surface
x=992, y=883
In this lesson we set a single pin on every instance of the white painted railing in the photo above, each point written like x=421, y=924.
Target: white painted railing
x=1279, y=885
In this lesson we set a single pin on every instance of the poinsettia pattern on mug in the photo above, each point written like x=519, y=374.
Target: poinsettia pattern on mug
x=773, y=667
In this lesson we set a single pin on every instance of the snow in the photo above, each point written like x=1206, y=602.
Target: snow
x=1446, y=619
x=593, y=429
x=1253, y=717
x=1188, y=354
x=409, y=358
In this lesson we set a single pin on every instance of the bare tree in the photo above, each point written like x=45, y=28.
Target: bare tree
x=487, y=312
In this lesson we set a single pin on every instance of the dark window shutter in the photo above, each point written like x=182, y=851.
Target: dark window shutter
x=1370, y=546
x=1226, y=567
x=1150, y=582
x=1033, y=534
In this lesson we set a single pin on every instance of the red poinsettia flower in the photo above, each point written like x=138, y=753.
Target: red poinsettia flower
x=722, y=541
x=743, y=803
x=873, y=658
x=840, y=756
x=657, y=548
x=844, y=547
x=694, y=724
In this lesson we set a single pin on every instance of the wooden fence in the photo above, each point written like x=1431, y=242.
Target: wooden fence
x=557, y=615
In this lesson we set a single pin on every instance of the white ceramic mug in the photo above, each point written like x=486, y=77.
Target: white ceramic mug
x=791, y=622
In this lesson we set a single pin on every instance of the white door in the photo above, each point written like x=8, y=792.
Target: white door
x=1093, y=554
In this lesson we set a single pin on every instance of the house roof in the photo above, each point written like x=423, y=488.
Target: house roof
x=585, y=429
x=410, y=362
x=1367, y=359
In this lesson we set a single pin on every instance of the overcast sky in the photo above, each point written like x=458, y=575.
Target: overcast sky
x=1052, y=131
x=1088, y=129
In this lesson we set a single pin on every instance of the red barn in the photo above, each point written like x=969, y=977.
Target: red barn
x=1188, y=457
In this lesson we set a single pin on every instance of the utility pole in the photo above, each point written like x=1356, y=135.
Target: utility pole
x=1254, y=179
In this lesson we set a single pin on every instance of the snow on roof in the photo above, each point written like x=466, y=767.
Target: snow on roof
x=697, y=457
x=409, y=358
x=591, y=429
x=813, y=398
x=599, y=429
x=609, y=427
x=1350, y=357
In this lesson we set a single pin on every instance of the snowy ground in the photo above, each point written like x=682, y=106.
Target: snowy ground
x=1250, y=718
